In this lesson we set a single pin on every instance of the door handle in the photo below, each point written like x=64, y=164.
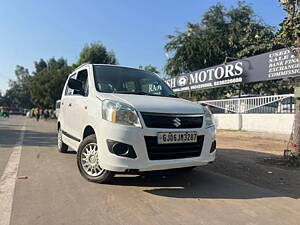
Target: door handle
x=70, y=104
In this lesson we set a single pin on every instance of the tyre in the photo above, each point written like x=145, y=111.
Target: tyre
x=61, y=146
x=88, y=163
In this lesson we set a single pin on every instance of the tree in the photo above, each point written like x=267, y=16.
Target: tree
x=96, y=53
x=222, y=33
x=45, y=85
x=1, y=99
x=48, y=81
x=40, y=65
x=18, y=94
x=149, y=68
x=289, y=35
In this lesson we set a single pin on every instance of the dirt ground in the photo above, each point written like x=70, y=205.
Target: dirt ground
x=248, y=156
x=253, y=141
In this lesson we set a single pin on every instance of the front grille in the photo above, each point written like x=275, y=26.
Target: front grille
x=173, y=151
x=159, y=120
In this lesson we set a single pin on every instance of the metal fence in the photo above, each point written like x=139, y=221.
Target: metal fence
x=262, y=104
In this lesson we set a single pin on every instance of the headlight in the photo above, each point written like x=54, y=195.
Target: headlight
x=208, y=117
x=117, y=112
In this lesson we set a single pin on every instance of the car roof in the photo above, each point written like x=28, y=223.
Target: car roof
x=99, y=64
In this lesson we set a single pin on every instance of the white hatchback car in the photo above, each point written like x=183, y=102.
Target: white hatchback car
x=122, y=119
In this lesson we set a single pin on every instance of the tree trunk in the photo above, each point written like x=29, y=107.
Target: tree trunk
x=296, y=131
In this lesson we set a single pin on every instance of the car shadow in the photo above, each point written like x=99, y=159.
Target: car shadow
x=237, y=173
x=70, y=152
x=199, y=183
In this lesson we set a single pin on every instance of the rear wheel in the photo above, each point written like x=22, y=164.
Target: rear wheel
x=62, y=147
x=88, y=162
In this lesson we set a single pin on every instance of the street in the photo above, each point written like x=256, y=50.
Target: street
x=53, y=192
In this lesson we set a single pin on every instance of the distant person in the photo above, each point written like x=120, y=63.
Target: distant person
x=46, y=114
x=52, y=114
x=37, y=113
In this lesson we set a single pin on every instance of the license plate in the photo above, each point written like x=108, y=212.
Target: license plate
x=176, y=137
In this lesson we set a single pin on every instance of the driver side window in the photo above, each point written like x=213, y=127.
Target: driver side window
x=83, y=77
x=68, y=90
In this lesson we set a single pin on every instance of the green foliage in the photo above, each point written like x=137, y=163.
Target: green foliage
x=44, y=87
x=289, y=33
x=149, y=68
x=18, y=95
x=48, y=81
x=40, y=65
x=1, y=99
x=96, y=53
x=222, y=33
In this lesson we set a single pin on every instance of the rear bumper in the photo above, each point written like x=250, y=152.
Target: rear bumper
x=135, y=137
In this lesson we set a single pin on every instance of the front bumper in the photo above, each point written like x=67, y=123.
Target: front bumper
x=135, y=137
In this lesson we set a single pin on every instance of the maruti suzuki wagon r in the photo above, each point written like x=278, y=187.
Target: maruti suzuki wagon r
x=121, y=119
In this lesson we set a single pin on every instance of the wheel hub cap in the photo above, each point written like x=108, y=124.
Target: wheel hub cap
x=89, y=160
x=93, y=159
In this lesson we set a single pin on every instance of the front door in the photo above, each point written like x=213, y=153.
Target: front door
x=66, y=109
x=78, y=108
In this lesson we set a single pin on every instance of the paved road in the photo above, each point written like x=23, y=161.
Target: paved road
x=55, y=193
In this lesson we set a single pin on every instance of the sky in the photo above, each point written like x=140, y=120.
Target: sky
x=134, y=29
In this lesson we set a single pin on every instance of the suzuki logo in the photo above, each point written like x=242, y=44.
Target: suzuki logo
x=177, y=122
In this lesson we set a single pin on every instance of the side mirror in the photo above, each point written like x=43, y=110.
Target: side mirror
x=75, y=85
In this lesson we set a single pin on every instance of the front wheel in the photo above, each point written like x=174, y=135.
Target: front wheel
x=88, y=163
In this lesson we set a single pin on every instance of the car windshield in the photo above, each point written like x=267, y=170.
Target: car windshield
x=122, y=80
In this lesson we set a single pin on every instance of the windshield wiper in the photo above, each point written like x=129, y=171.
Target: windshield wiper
x=144, y=93
x=130, y=92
